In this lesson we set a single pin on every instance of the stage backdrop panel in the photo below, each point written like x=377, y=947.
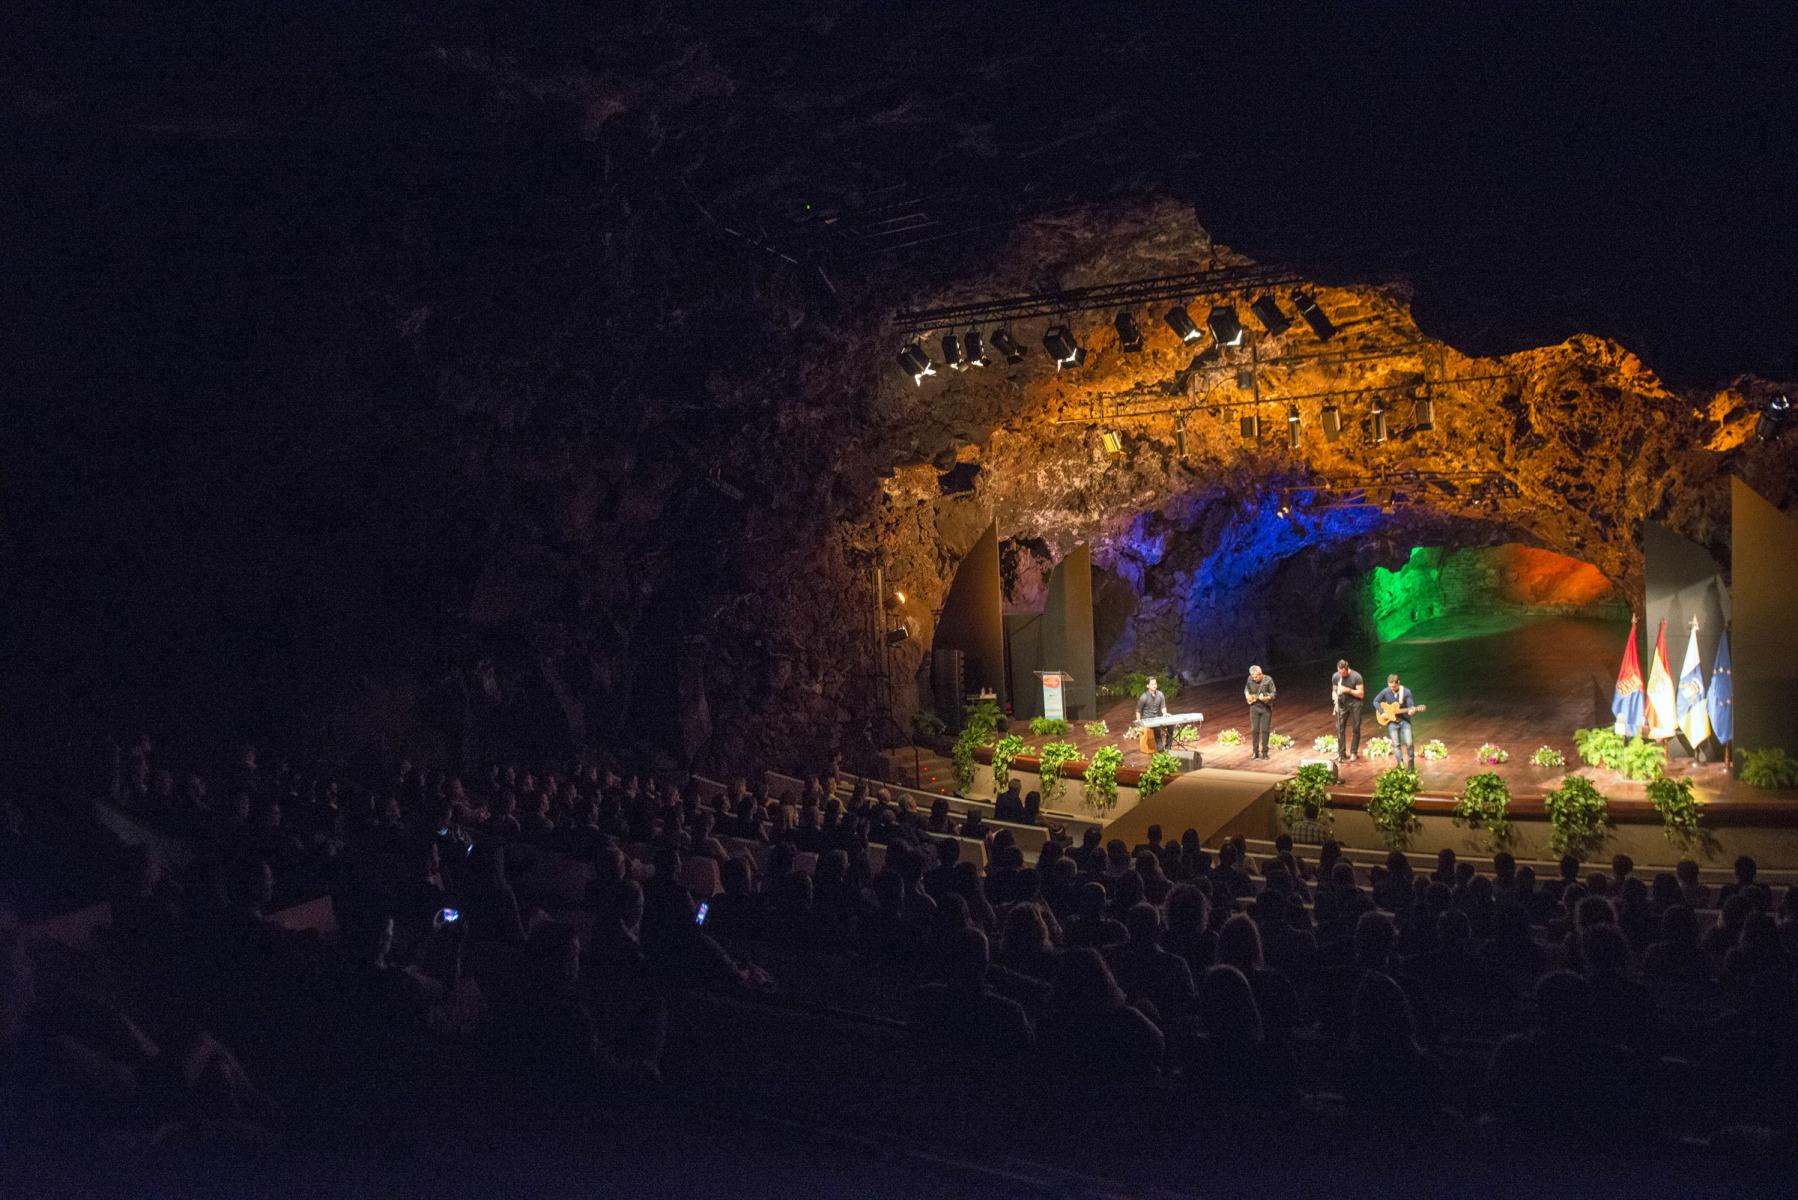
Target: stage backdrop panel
x=973, y=619
x=1067, y=638
x=1024, y=657
x=1680, y=581
x=1763, y=641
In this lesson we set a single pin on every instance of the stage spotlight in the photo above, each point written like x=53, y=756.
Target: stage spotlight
x=1379, y=423
x=1424, y=415
x=1251, y=428
x=1245, y=379
x=1007, y=345
x=915, y=363
x=1129, y=334
x=976, y=352
x=1774, y=419
x=1314, y=316
x=1267, y=311
x=1059, y=342
x=1292, y=426
x=897, y=634
x=1285, y=510
x=1180, y=435
x=1226, y=326
x=1112, y=442
x=1331, y=420
x=952, y=355
x=1181, y=322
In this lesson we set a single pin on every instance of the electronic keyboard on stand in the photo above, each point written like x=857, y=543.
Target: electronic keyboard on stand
x=1146, y=727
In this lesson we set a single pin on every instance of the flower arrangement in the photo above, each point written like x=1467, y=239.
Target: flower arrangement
x=1489, y=754
x=1548, y=756
x=1379, y=747
x=1097, y=729
x=1186, y=735
x=1230, y=737
x=1279, y=741
x=1324, y=743
x=1433, y=750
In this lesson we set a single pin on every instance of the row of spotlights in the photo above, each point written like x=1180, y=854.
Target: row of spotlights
x=961, y=353
x=1423, y=420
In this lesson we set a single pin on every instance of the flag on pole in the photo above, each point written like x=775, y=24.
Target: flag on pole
x=1627, y=700
x=1694, y=718
x=1663, y=721
x=1721, y=702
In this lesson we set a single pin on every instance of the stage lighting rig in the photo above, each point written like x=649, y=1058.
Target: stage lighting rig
x=1250, y=427
x=1331, y=421
x=1292, y=426
x=1181, y=322
x=1267, y=311
x=1225, y=325
x=952, y=355
x=1059, y=341
x=1112, y=442
x=1423, y=415
x=1007, y=345
x=1314, y=316
x=1774, y=420
x=915, y=363
x=975, y=351
x=1377, y=431
x=1129, y=333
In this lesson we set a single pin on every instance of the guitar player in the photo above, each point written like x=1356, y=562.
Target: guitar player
x=1398, y=699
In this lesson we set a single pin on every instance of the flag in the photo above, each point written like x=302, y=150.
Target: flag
x=1694, y=718
x=1626, y=701
x=1662, y=719
x=1722, y=699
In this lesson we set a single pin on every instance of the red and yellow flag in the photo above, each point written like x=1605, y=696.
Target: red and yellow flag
x=1663, y=719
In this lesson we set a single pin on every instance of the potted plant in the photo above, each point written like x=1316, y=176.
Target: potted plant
x=1230, y=737
x=1678, y=806
x=1053, y=757
x=1310, y=786
x=1490, y=755
x=1578, y=816
x=1547, y=756
x=1393, y=805
x=1102, y=779
x=1482, y=804
x=1324, y=743
x=1769, y=769
x=1006, y=749
x=1162, y=767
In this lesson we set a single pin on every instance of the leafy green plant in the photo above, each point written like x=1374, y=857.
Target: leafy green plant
x=1162, y=767
x=1673, y=799
x=1393, y=806
x=1048, y=727
x=1097, y=729
x=1578, y=816
x=1051, y=759
x=1135, y=683
x=1279, y=741
x=1006, y=749
x=1482, y=805
x=1642, y=759
x=1324, y=743
x=926, y=725
x=1230, y=737
x=1489, y=754
x=1769, y=768
x=981, y=723
x=1548, y=756
x=1599, y=747
x=1380, y=747
x=1102, y=779
x=1186, y=735
x=1310, y=786
x=1431, y=751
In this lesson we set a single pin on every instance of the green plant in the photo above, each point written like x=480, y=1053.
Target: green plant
x=1006, y=749
x=981, y=722
x=1135, y=683
x=1599, y=747
x=1673, y=799
x=1230, y=737
x=1097, y=729
x=1048, y=727
x=1769, y=768
x=1279, y=741
x=1380, y=747
x=1162, y=767
x=1548, y=756
x=1432, y=750
x=1049, y=763
x=1310, y=786
x=1482, y=805
x=1642, y=759
x=1393, y=805
x=1324, y=743
x=1489, y=754
x=1102, y=778
x=1186, y=735
x=926, y=725
x=1578, y=816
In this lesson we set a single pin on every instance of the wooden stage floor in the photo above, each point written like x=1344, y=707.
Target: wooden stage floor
x=1518, y=683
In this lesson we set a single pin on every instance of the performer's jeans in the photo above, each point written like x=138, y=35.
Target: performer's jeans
x=1400, y=733
x=1348, y=726
x=1261, y=723
x=1164, y=738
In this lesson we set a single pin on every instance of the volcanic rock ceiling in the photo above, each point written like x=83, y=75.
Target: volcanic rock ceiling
x=467, y=379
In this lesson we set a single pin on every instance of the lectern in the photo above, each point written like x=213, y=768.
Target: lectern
x=1054, y=694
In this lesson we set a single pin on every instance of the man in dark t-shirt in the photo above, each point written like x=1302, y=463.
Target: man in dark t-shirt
x=1153, y=704
x=1347, y=691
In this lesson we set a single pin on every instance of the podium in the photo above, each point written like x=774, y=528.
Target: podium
x=1055, y=693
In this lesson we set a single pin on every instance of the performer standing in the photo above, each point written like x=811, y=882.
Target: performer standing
x=1259, y=693
x=1399, y=730
x=1347, y=691
x=1153, y=704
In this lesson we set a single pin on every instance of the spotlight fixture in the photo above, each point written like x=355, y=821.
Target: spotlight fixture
x=1226, y=326
x=1378, y=430
x=898, y=598
x=1129, y=334
x=1267, y=311
x=1181, y=322
x=1292, y=426
x=915, y=363
x=1314, y=316
x=1774, y=418
x=1180, y=435
x=976, y=352
x=1007, y=345
x=1112, y=442
x=1245, y=379
x=1250, y=427
x=952, y=355
x=897, y=634
x=1059, y=342
x=1424, y=415
x=1331, y=421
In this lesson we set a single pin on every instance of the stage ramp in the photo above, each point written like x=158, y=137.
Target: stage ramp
x=1213, y=801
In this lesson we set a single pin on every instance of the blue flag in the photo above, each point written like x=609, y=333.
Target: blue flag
x=1722, y=698
x=1627, y=702
x=1694, y=715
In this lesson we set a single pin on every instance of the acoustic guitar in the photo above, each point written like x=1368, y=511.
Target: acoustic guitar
x=1386, y=714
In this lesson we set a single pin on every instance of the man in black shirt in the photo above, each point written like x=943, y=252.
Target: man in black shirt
x=1347, y=691
x=1153, y=704
x=1258, y=692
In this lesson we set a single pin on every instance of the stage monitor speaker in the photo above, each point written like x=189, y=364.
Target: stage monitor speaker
x=1329, y=763
x=948, y=686
x=1190, y=760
